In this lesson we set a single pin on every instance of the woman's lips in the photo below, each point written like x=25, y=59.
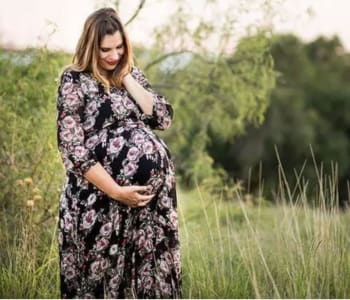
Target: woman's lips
x=112, y=63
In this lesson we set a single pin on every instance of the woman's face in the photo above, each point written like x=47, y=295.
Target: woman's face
x=111, y=51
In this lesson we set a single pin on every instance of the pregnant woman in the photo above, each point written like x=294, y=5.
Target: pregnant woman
x=118, y=226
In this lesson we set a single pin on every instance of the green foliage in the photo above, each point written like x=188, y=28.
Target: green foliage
x=215, y=99
x=28, y=135
x=307, y=108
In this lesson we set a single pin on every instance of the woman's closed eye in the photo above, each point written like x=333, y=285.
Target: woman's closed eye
x=107, y=49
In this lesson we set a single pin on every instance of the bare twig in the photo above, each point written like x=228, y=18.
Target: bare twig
x=116, y=5
x=165, y=56
x=137, y=11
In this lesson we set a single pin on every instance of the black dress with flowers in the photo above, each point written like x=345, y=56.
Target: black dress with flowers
x=107, y=249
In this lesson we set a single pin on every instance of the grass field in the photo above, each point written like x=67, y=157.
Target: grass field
x=230, y=249
x=234, y=250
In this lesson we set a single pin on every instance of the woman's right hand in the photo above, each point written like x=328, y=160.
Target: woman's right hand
x=133, y=195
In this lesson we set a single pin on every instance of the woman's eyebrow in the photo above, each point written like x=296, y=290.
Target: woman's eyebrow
x=110, y=48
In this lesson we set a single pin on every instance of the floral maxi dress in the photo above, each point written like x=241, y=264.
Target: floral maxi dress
x=107, y=249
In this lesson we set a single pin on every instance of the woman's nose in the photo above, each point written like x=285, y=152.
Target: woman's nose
x=115, y=55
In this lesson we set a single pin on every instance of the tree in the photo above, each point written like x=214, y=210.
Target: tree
x=308, y=107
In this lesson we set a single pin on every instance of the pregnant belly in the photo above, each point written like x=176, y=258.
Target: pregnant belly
x=135, y=156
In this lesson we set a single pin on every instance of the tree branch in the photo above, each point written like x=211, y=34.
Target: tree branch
x=116, y=5
x=165, y=56
x=137, y=11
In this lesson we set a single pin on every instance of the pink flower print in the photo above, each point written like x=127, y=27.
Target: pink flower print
x=176, y=255
x=67, y=163
x=88, y=85
x=147, y=282
x=130, y=169
x=161, y=109
x=120, y=130
x=96, y=272
x=106, y=229
x=162, y=220
x=168, y=258
x=118, y=108
x=159, y=232
x=91, y=142
x=104, y=263
x=120, y=263
x=116, y=98
x=148, y=245
x=157, y=183
x=138, y=139
x=116, y=145
x=67, y=89
x=133, y=153
x=89, y=123
x=140, y=234
x=72, y=100
x=143, y=214
x=169, y=182
x=91, y=107
x=173, y=219
x=166, y=123
x=147, y=147
x=101, y=244
x=80, y=151
x=116, y=223
x=68, y=122
x=164, y=267
x=140, y=240
x=164, y=287
x=177, y=261
x=66, y=135
x=113, y=249
x=68, y=259
x=128, y=103
x=115, y=281
x=89, y=219
x=91, y=199
x=68, y=222
x=149, y=232
x=165, y=202
x=145, y=269
x=79, y=133
x=70, y=273
x=95, y=266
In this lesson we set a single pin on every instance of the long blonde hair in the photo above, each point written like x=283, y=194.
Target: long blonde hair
x=101, y=22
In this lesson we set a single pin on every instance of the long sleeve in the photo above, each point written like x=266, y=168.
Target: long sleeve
x=162, y=113
x=75, y=156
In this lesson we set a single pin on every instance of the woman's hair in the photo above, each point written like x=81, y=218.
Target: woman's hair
x=101, y=22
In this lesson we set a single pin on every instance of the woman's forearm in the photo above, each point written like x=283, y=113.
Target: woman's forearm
x=143, y=97
x=98, y=176
x=132, y=195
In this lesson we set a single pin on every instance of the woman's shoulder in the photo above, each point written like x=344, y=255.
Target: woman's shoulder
x=70, y=70
x=70, y=74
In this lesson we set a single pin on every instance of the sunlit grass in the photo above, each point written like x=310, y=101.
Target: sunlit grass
x=29, y=258
x=298, y=248
x=230, y=249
